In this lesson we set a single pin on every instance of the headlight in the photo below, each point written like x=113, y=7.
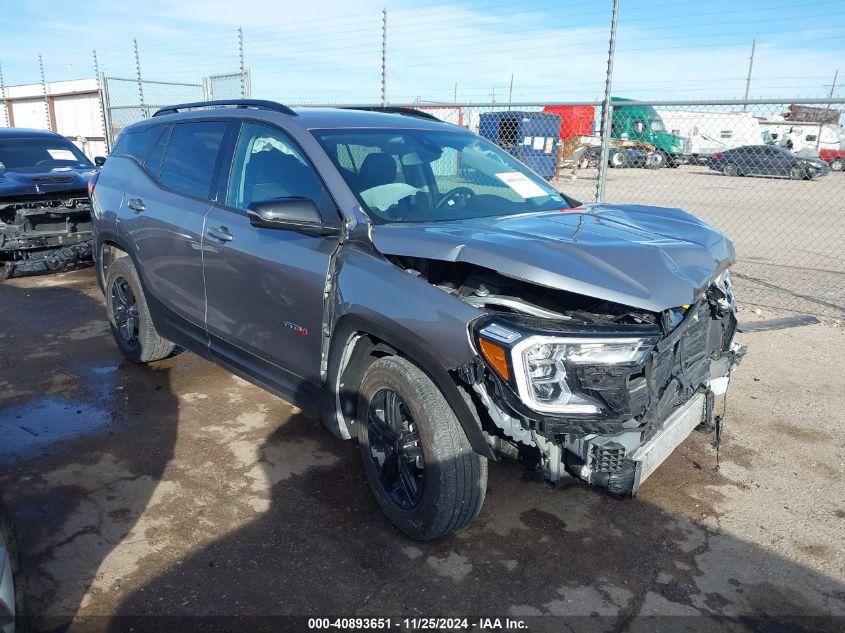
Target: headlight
x=541, y=364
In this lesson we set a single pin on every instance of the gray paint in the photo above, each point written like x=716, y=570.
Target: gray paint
x=645, y=257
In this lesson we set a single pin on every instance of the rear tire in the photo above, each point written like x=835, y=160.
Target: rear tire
x=618, y=159
x=655, y=160
x=129, y=315
x=9, y=545
x=730, y=170
x=447, y=480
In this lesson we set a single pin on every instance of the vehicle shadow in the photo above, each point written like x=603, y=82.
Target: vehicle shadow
x=85, y=438
x=321, y=547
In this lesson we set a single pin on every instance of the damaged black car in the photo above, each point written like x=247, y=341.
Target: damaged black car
x=45, y=210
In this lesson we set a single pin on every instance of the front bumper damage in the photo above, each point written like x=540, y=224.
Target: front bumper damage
x=46, y=235
x=647, y=409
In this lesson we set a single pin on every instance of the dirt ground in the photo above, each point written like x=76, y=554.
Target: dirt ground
x=178, y=489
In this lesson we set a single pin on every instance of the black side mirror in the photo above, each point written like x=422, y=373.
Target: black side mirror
x=99, y=161
x=292, y=214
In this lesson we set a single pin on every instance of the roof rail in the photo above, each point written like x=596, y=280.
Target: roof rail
x=222, y=103
x=397, y=110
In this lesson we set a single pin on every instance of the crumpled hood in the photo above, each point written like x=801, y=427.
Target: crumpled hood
x=652, y=258
x=32, y=183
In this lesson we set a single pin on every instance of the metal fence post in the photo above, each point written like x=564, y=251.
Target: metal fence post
x=241, y=58
x=101, y=97
x=140, y=83
x=44, y=90
x=384, y=58
x=5, y=103
x=606, y=109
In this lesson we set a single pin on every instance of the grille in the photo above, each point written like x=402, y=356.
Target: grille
x=53, y=180
x=608, y=458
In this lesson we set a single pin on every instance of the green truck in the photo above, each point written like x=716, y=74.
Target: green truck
x=642, y=123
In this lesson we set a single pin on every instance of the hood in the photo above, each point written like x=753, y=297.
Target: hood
x=816, y=162
x=651, y=258
x=33, y=183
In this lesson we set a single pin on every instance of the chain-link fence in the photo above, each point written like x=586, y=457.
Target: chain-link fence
x=769, y=174
x=126, y=101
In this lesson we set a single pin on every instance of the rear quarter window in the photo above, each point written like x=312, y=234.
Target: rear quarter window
x=138, y=144
x=188, y=165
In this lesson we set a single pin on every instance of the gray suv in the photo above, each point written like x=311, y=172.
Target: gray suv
x=420, y=290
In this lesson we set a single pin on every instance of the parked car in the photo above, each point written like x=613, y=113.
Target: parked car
x=833, y=157
x=11, y=584
x=420, y=290
x=767, y=160
x=45, y=213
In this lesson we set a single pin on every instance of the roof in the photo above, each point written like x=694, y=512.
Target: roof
x=306, y=117
x=25, y=132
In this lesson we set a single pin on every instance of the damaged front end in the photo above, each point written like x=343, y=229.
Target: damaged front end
x=586, y=388
x=604, y=399
x=44, y=233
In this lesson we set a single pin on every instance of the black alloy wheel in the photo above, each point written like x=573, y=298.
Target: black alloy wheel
x=396, y=449
x=124, y=309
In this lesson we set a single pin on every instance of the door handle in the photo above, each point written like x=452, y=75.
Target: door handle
x=137, y=205
x=221, y=233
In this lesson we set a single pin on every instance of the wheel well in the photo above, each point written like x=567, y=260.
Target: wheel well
x=109, y=252
x=353, y=349
x=359, y=351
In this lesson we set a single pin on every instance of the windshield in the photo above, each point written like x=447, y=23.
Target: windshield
x=431, y=176
x=44, y=152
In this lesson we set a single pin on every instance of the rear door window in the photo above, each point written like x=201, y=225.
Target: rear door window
x=188, y=165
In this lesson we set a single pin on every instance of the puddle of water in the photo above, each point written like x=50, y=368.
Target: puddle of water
x=32, y=425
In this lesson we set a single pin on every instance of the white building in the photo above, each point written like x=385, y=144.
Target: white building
x=71, y=108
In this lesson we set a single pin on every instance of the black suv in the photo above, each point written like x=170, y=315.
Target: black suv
x=420, y=290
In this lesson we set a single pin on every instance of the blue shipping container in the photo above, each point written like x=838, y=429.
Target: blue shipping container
x=532, y=137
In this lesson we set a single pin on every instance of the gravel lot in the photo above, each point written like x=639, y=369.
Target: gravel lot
x=178, y=489
x=788, y=233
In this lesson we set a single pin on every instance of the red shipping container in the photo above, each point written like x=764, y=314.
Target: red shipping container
x=575, y=120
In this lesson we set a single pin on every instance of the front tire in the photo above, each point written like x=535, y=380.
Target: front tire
x=129, y=315
x=423, y=473
x=730, y=169
x=797, y=173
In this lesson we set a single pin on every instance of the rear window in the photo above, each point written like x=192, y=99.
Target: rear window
x=138, y=144
x=188, y=165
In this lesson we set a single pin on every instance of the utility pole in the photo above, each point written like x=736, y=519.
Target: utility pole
x=750, y=68
x=493, y=95
x=101, y=97
x=456, y=92
x=827, y=110
x=510, y=93
x=241, y=58
x=605, y=108
x=44, y=90
x=5, y=104
x=384, y=57
x=140, y=83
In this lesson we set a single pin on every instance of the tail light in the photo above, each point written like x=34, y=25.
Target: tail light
x=92, y=183
x=719, y=155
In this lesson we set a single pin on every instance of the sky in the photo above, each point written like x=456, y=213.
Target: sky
x=329, y=51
